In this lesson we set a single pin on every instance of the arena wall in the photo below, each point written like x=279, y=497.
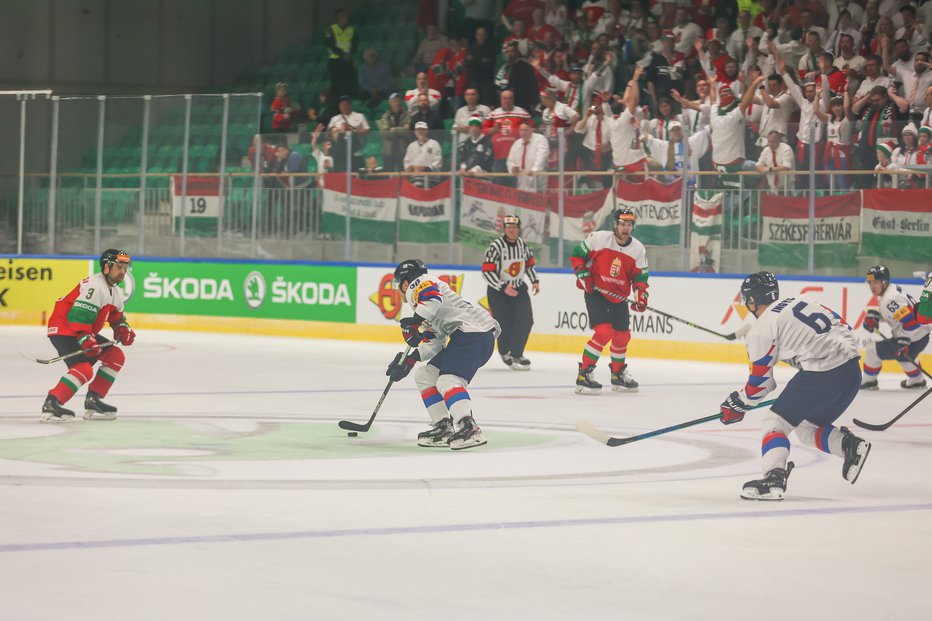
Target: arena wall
x=356, y=302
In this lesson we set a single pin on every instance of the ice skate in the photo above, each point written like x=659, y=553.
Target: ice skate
x=911, y=383
x=53, y=412
x=623, y=382
x=438, y=435
x=520, y=363
x=585, y=385
x=467, y=434
x=856, y=452
x=95, y=409
x=507, y=359
x=771, y=487
x=869, y=383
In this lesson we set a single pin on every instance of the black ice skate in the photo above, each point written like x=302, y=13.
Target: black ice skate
x=856, y=451
x=438, y=435
x=95, y=409
x=623, y=382
x=869, y=383
x=520, y=363
x=585, y=385
x=53, y=412
x=911, y=383
x=467, y=434
x=507, y=359
x=771, y=487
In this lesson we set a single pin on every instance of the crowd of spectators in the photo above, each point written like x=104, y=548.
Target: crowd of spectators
x=713, y=85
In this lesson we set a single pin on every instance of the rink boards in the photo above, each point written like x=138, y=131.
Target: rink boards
x=357, y=302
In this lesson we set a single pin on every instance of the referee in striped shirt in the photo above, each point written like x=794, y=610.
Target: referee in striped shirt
x=507, y=261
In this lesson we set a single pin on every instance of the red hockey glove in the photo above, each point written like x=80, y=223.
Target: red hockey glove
x=401, y=366
x=640, y=304
x=124, y=334
x=733, y=409
x=872, y=320
x=90, y=346
x=410, y=330
x=584, y=279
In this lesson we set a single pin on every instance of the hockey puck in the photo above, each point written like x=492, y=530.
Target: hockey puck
x=352, y=434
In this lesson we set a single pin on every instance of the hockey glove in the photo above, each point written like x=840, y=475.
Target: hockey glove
x=901, y=347
x=410, y=330
x=584, y=279
x=124, y=334
x=872, y=320
x=90, y=346
x=640, y=304
x=401, y=366
x=733, y=409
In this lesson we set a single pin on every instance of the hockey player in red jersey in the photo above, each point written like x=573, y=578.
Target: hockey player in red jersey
x=75, y=325
x=609, y=266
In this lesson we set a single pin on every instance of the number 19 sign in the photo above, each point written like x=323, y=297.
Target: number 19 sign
x=201, y=200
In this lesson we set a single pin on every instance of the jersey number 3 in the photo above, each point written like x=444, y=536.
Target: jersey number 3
x=817, y=321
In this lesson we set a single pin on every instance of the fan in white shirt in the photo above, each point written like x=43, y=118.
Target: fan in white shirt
x=777, y=156
x=422, y=155
x=528, y=155
x=778, y=108
x=472, y=109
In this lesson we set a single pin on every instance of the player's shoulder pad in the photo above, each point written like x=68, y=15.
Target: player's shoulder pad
x=424, y=290
x=599, y=239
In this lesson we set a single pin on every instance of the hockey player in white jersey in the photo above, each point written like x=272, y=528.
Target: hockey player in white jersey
x=812, y=338
x=896, y=309
x=455, y=339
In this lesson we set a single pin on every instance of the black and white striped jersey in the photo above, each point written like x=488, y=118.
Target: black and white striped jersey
x=507, y=263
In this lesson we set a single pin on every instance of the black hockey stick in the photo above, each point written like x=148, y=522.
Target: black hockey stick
x=890, y=422
x=600, y=436
x=728, y=337
x=73, y=354
x=351, y=426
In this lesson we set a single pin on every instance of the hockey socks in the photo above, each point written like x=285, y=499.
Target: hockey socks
x=619, y=350
x=455, y=396
x=70, y=382
x=593, y=348
x=111, y=361
x=826, y=438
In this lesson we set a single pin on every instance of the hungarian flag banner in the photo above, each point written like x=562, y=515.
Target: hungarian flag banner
x=897, y=224
x=785, y=230
x=656, y=207
x=705, y=236
x=583, y=213
x=424, y=213
x=373, y=205
x=485, y=205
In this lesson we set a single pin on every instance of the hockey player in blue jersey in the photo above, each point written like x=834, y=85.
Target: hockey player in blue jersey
x=812, y=338
x=455, y=339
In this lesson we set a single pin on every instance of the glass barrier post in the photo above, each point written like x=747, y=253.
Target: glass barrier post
x=53, y=175
x=561, y=192
x=347, y=250
x=454, y=142
x=221, y=187
x=143, y=165
x=812, y=150
x=20, y=196
x=98, y=190
x=184, y=170
x=256, y=179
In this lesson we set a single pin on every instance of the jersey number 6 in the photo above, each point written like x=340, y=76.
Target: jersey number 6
x=817, y=321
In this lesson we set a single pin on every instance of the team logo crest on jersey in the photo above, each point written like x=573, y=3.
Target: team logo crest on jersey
x=615, y=269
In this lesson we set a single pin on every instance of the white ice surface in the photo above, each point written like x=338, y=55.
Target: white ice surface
x=206, y=499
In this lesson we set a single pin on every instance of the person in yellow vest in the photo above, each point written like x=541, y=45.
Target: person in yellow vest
x=342, y=42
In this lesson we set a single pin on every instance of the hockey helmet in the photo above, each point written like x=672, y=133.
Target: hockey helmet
x=511, y=219
x=878, y=272
x=407, y=271
x=623, y=215
x=112, y=255
x=760, y=288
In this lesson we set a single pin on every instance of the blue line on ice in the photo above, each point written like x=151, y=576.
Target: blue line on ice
x=448, y=528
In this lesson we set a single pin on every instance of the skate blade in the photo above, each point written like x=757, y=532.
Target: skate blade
x=752, y=494
x=914, y=386
x=520, y=367
x=871, y=387
x=623, y=389
x=471, y=443
x=55, y=420
x=431, y=444
x=582, y=390
x=94, y=415
x=864, y=449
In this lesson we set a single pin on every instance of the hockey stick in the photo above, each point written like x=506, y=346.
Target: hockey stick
x=728, y=337
x=73, y=354
x=351, y=426
x=890, y=422
x=600, y=436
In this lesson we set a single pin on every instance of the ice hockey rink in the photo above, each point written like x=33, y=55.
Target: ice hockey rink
x=225, y=490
